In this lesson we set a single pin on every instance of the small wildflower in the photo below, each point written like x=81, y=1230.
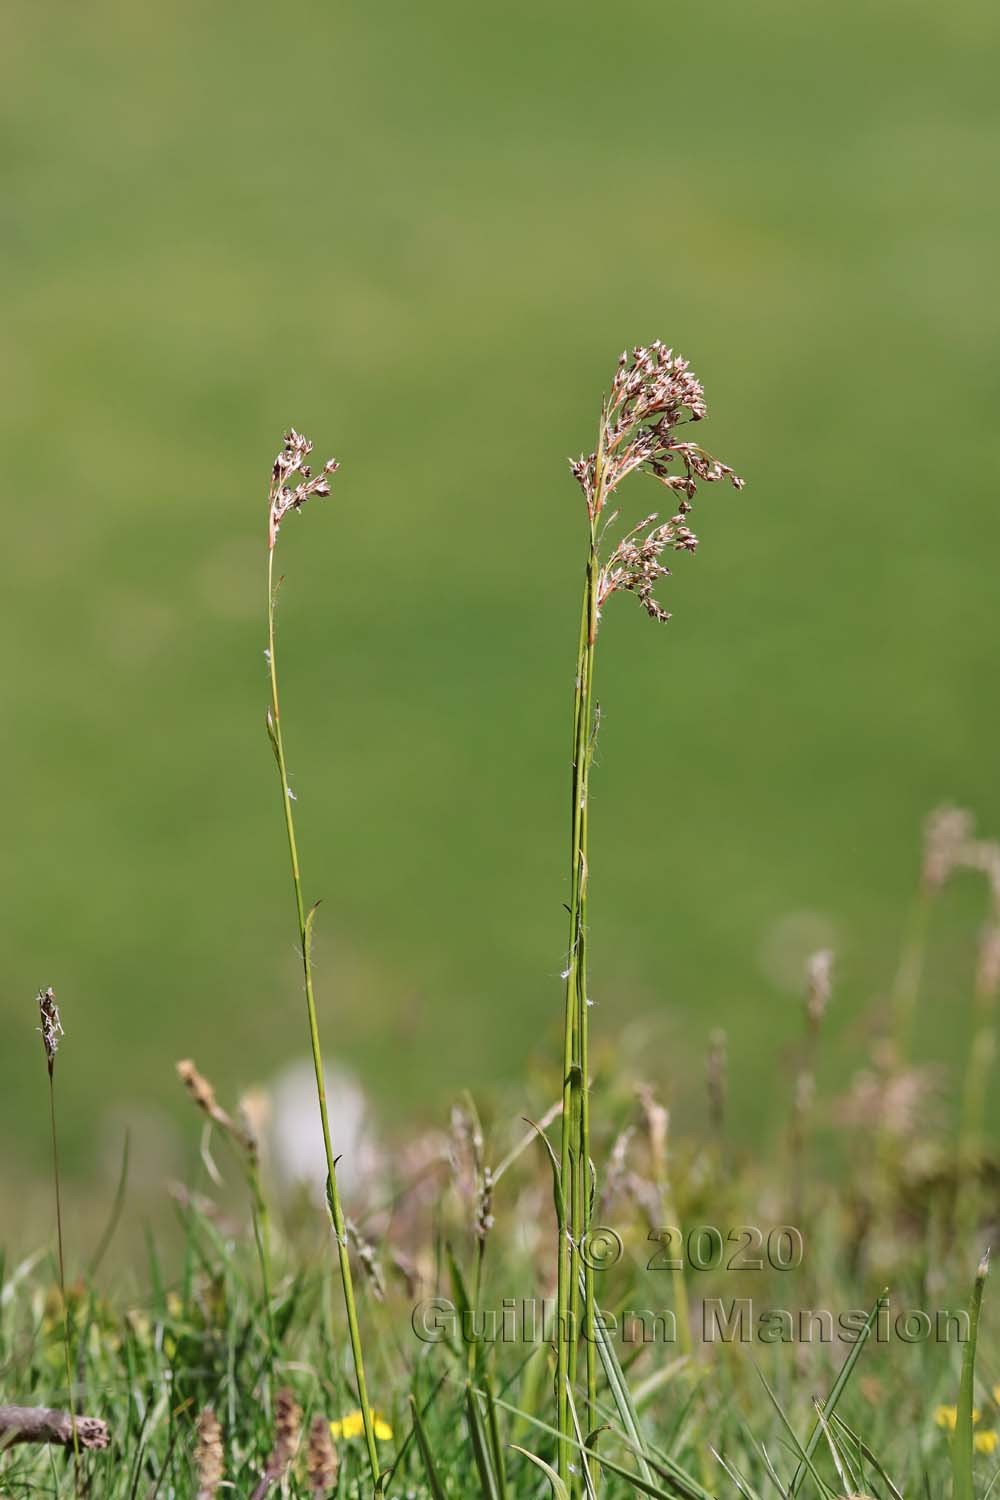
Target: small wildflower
x=51, y=1027
x=985, y=1442
x=353, y=1425
x=947, y=1417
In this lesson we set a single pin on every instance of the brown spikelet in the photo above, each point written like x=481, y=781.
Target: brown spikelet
x=322, y=1462
x=201, y=1092
x=287, y=1428
x=51, y=1027
x=202, y=1095
x=209, y=1463
x=368, y=1258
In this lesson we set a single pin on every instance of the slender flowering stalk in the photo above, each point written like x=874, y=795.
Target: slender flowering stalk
x=653, y=394
x=292, y=484
x=948, y=837
x=51, y=1030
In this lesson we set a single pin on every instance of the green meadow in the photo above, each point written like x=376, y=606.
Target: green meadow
x=422, y=234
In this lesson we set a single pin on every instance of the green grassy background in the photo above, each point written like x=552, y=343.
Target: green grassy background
x=422, y=234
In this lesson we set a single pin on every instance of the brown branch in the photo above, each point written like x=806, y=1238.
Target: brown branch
x=39, y=1424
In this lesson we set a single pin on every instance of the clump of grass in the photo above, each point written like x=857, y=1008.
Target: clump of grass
x=242, y=1137
x=654, y=393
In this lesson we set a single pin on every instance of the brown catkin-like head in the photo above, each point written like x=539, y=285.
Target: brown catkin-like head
x=322, y=1462
x=209, y=1464
x=51, y=1027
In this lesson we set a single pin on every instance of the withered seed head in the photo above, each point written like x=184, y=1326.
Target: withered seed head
x=653, y=393
x=203, y=1095
x=948, y=835
x=484, y=1206
x=51, y=1027
x=291, y=461
x=208, y=1457
x=321, y=1460
x=819, y=985
x=365, y=1251
x=287, y=1427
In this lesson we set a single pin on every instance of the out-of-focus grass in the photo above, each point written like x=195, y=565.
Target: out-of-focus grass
x=422, y=234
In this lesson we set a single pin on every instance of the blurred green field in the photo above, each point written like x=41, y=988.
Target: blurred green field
x=422, y=234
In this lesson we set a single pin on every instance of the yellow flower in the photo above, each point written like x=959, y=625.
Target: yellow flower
x=985, y=1442
x=996, y=1394
x=947, y=1416
x=353, y=1425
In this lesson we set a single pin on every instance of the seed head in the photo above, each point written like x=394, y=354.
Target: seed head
x=948, y=834
x=291, y=462
x=653, y=392
x=208, y=1457
x=819, y=984
x=321, y=1461
x=287, y=1426
x=203, y=1095
x=368, y=1257
x=484, y=1206
x=51, y=1027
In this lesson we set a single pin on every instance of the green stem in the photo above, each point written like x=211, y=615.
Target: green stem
x=62, y=1277
x=304, y=924
x=906, y=986
x=575, y=1136
x=262, y=1239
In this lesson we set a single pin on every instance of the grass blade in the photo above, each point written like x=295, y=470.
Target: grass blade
x=436, y=1487
x=839, y=1387
x=961, y=1448
x=559, y=1490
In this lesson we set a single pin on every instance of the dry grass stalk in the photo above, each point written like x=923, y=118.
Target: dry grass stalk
x=51, y=1031
x=283, y=497
x=653, y=393
x=40, y=1424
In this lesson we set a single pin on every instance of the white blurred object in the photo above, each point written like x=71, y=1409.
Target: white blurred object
x=295, y=1134
x=790, y=942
